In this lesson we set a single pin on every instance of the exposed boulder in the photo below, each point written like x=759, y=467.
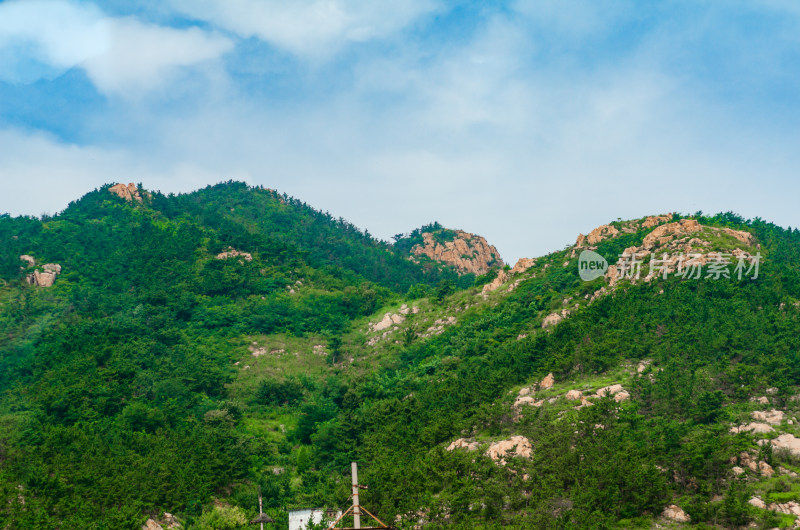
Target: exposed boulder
x=151, y=524
x=547, y=382
x=666, y=232
x=551, y=320
x=463, y=443
x=46, y=277
x=233, y=253
x=745, y=237
x=596, y=236
x=573, y=395
x=654, y=220
x=501, y=278
x=129, y=193
x=787, y=442
x=675, y=513
x=28, y=259
x=754, y=427
x=514, y=446
x=758, y=503
x=468, y=253
x=522, y=265
x=772, y=417
x=789, y=508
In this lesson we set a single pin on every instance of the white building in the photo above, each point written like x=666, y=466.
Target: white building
x=299, y=519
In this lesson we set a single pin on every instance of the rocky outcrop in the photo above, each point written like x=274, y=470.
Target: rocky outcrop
x=675, y=513
x=666, y=232
x=28, y=259
x=754, y=427
x=547, y=382
x=551, y=320
x=233, y=253
x=514, y=446
x=46, y=277
x=522, y=265
x=616, y=391
x=596, y=236
x=495, y=284
x=786, y=442
x=387, y=321
x=468, y=253
x=745, y=237
x=130, y=192
x=655, y=220
x=152, y=525
x=772, y=417
x=463, y=443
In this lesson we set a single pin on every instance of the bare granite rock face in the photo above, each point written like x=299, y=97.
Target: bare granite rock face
x=547, y=382
x=152, y=525
x=468, y=253
x=233, y=253
x=597, y=235
x=495, y=284
x=514, y=446
x=675, y=513
x=463, y=443
x=551, y=320
x=130, y=192
x=522, y=265
x=666, y=232
x=46, y=277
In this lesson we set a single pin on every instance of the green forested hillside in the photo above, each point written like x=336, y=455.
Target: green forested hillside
x=154, y=377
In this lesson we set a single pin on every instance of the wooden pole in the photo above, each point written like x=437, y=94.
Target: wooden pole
x=260, y=505
x=356, y=507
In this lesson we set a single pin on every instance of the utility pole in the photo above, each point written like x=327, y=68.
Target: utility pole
x=356, y=506
x=260, y=506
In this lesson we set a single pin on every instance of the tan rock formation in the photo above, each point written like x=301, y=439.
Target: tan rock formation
x=45, y=278
x=610, y=390
x=745, y=237
x=151, y=525
x=462, y=443
x=669, y=231
x=233, y=253
x=772, y=417
x=789, y=508
x=547, y=382
x=495, y=284
x=597, y=235
x=28, y=259
x=675, y=513
x=787, y=442
x=574, y=395
x=754, y=427
x=468, y=253
x=522, y=265
x=129, y=193
x=514, y=446
x=551, y=320
x=758, y=503
x=654, y=220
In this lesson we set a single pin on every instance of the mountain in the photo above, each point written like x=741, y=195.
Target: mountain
x=162, y=357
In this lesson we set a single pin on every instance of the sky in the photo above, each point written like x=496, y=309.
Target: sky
x=526, y=121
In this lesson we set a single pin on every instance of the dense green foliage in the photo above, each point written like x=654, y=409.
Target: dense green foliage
x=119, y=396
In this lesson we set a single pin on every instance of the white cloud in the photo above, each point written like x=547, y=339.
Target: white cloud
x=39, y=174
x=120, y=55
x=309, y=28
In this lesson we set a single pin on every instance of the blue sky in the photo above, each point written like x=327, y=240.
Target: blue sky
x=526, y=122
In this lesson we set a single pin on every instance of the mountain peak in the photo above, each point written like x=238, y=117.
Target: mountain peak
x=468, y=253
